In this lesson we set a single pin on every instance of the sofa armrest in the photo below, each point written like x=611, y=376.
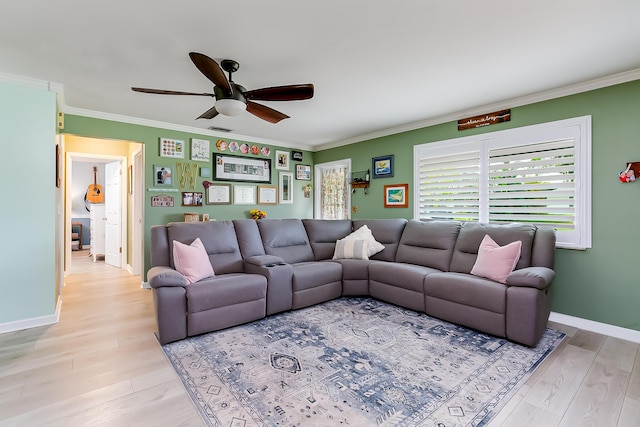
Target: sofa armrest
x=161, y=275
x=264, y=260
x=531, y=277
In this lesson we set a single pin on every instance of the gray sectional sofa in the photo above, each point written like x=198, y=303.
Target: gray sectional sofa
x=269, y=266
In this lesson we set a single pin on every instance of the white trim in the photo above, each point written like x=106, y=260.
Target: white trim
x=600, y=328
x=317, y=172
x=172, y=126
x=145, y=285
x=34, y=322
x=573, y=89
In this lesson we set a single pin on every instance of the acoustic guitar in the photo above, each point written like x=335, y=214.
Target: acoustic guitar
x=94, y=192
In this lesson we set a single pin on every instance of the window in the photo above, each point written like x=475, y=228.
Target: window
x=333, y=198
x=537, y=174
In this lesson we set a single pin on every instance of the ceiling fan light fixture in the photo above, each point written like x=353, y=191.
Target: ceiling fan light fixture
x=230, y=107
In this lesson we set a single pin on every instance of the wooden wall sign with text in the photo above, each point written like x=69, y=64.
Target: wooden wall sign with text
x=484, y=120
x=162, y=201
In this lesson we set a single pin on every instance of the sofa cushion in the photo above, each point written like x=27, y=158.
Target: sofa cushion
x=428, y=243
x=286, y=238
x=467, y=290
x=472, y=233
x=385, y=231
x=323, y=234
x=218, y=238
x=308, y=275
x=192, y=260
x=351, y=249
x=225, y=290
x=363, y=233
x=407, y=276
x=496, y=262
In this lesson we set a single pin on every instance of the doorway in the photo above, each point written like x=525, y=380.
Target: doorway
x=114, y=220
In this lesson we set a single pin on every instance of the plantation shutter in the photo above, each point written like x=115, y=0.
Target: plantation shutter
x=449, y=187
x=533, y=183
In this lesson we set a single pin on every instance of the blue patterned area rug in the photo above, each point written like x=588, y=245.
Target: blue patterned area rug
x=352, y=362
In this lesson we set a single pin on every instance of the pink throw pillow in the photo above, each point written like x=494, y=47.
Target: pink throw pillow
x=496, y=262
x=192, y=260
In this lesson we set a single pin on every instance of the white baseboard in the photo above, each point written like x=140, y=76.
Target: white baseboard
x=33, y=322
x=145, y=285
x=600, y=328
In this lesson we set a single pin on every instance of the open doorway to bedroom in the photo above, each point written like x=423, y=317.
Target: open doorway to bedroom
x=103, y=205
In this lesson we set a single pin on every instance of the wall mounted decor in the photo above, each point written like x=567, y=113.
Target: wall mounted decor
x=237, y=168
x=267, y=195
x=296, y=155
x=186, y=174
x=244, y=195
x=162, y=201
x=382, y=166
x=396, y=196
x=205, y=172
x=484, y=120
x=219, y=194
x=162, y=175
x=171, y=148
x=58, y=167
x=303, y=172
x=285, y=188
x=191, y=198
x=200, y=150
x=282, y=160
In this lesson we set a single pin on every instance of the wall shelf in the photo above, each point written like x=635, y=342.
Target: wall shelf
x=360, y=179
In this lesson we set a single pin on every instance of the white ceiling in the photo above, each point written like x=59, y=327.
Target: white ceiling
x=376, y=65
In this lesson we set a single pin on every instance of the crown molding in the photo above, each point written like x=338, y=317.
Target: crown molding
x=172, y=126
x=573, y=89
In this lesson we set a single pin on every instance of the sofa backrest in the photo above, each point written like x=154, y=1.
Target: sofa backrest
x=286, y=238
x=385, y=231
x=218, y=238
x=428, y=243
x=472, y=233
x=248, y=237
x=323, y=234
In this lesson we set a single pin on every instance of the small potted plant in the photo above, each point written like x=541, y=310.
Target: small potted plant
x=257, y=214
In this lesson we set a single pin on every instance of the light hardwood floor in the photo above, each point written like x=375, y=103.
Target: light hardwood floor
x=101, y=365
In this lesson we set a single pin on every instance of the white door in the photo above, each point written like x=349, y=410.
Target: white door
x=112, y=204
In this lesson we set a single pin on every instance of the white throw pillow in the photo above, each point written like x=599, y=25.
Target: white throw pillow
x=351, y=249
x=363, y=233
x=192, y=261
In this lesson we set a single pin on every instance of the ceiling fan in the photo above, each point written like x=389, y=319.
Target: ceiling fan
x=233, y=99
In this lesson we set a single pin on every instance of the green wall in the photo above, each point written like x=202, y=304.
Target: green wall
x=28, y=192
x=600, y=284
x=150, y=136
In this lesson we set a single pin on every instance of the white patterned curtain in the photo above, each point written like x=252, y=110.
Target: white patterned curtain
x=334, y=193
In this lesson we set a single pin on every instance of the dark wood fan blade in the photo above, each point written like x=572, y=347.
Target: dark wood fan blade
x=209, y=114
x=281, y=93
x=211, y=70
x=167, y=92
x=265, y=113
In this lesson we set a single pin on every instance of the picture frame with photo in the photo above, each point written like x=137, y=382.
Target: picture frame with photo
x=219, y=194
x=285, y=188
x=267, y=195
x=163, y=175
x=241, y=168
x=303, y=172
x=282, y=160
x=191, y=198
x=173, y=148
x=382, y=166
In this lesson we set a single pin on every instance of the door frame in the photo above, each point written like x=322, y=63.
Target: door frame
x=70, y=157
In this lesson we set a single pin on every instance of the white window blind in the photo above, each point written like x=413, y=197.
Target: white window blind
x=537, y=174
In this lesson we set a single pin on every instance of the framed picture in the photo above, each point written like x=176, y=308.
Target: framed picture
x=205, y=217
x=267, y=195
x=282, y=160
x=237, y=168
x=219, y=194
x=382, y=166
x=303, y=172
x=296, y=155
x=244, y=195
x=396, y=196
x=191, y=198
x=200, y=150
x=162, y=175
x=285, y=188
x=171, y=148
